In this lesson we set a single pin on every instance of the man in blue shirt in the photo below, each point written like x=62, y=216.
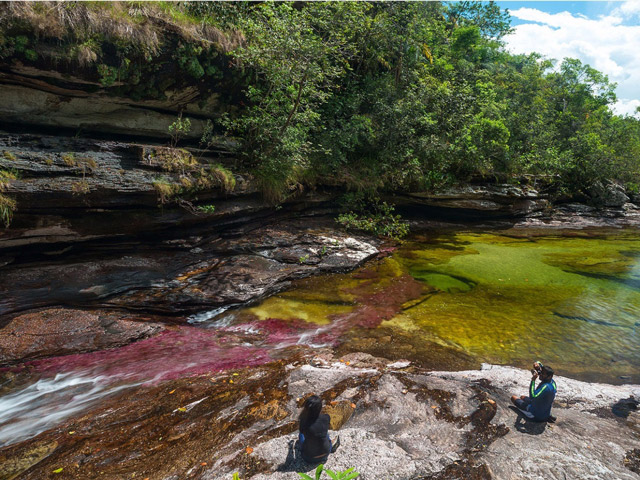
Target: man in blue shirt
x=537, y=406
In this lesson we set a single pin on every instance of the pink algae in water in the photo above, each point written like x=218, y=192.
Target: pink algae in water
x=185, y=351
x=172, y=354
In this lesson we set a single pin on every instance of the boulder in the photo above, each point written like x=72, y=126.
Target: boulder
x=609, y=194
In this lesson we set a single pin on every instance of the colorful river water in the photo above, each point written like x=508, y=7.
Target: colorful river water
x=569, y=301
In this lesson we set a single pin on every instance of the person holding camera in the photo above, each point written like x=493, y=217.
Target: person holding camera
x=537, y=406
x=315, y=444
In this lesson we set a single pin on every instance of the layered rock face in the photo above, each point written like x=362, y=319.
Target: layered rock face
x=487, y=200
x=27, y=99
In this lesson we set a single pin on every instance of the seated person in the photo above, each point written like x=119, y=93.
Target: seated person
x=537, y=406
x=315, y=444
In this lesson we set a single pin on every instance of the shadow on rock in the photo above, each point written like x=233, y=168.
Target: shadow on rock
x=524, y=425
x=294, y=461
x=624, y=406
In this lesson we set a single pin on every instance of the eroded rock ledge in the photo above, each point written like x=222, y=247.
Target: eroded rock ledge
x=395, y=421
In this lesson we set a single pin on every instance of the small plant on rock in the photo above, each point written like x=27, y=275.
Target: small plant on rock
x=69, y=159
x=87, y=164
x=207, y=208
x=166, y=190
x=7, y=204
x=80, y=187
x=179, y=129
x=8, y=155
x=348, y=474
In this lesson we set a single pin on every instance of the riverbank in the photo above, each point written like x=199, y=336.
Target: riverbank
x=395, y=421
x=137, y=370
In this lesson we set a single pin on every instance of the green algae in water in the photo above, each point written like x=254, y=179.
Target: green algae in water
x=440, y=281
x=321, y=299
x=572, y=302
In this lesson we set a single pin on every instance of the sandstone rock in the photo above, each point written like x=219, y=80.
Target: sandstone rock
x=63, y=331
x=28, y=102
x=177, y=276
x=610, y=194
x=11, y=468
x=488, y=200
x=447, y=425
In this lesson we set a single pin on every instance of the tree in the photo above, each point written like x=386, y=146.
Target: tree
x=295, y=57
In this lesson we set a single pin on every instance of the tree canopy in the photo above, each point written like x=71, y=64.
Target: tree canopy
x=362, y=95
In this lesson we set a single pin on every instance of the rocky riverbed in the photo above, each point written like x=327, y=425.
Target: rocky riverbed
x=100, y=285
x=395, y=421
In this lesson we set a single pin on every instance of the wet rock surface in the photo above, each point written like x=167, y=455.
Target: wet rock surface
x=55, y=332
x=183, y=275
x=258, y=265
x=395, y=421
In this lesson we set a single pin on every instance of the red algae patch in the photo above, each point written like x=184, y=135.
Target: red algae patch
x=172, y=354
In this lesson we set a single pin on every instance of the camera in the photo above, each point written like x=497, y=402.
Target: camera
x=537, y=368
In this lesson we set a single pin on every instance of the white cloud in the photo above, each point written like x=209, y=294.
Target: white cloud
x=626, y=107
x=629, y=8
x=610, y=44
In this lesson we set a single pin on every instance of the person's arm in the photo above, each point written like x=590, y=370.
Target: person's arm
x=536, y=392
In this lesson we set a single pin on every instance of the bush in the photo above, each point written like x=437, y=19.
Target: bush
x=377, y=218
x=7, y=207
x=166, y=190
x=206, y=208
x=179, y=129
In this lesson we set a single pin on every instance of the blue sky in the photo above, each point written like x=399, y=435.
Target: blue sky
x=590, y=9
x=605, y=35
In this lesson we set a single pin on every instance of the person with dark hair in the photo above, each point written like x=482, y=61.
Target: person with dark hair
x=537, y=406
x=315, y=444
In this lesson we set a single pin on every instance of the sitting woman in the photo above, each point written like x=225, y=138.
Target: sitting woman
x=315, y=444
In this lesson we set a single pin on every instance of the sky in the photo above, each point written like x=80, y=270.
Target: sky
x=605, y=35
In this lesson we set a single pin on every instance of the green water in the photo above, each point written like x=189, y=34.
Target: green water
x=571, y=302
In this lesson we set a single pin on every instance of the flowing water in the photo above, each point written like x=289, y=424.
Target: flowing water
x=569, y=301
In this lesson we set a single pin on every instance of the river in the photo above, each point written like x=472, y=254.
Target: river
x=571, y=301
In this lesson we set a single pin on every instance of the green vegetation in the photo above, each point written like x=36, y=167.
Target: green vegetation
x=179, y=129
x=193, y=177
x=369, y=214
x=346, y=475
x=206, y=208
x=414, y=96
x=80, y=187
x=69, y=159
x=8, y=155
x=7, y=205
x=166, y=189
x=368, y=97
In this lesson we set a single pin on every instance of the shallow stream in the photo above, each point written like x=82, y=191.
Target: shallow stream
x=570, y=301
